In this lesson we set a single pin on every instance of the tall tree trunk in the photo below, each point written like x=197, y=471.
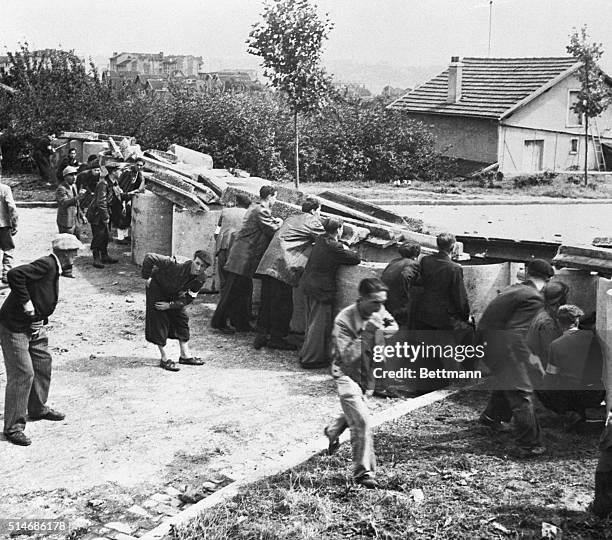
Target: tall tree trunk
x=586, y=149
x=297, y=150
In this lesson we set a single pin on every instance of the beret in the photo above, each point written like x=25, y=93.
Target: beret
x=541, y=268
x=66, y=242
x=69, y=170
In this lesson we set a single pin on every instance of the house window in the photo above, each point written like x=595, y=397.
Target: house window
x=573, y=146
x=533, y=155
x=573, y=118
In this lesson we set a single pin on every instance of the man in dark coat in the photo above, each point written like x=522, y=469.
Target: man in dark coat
x=131, y=182
x=88, y=179
x=67, y=161
x=170, y=287
x=503, y=328
x=250, y=243
x=33, y=297
x=68, y=208
x=281, y=268
x=319, y=284
x=43, y=148
x=444, y=304
x=401, y=275
x=107, y=195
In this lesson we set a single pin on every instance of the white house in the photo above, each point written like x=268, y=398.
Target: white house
x=515, y=112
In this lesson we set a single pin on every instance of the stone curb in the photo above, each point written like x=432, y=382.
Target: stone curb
x=36, y=204
x=289, y=461
x=482, y=202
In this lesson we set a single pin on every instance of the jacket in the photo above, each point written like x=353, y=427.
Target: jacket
x=106, y=196
x=319, y=278
x=503, y=328
x=172, y=279
x=229, y=222
x=289, y=249
x=444, y=295
x=37, y=281
x=8, y=208
x=400, y=275
x=251, y=241
x=68, y=206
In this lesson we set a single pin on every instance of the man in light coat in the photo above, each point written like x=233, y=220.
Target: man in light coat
x=281, y=268
x=8, y=228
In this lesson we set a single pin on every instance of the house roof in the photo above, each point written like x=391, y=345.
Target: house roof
x=491, y=87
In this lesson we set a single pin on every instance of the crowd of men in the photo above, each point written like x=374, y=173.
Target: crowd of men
x=537, y=345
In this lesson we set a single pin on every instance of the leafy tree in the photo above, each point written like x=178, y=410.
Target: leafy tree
x=594, y=95
x=289, y=40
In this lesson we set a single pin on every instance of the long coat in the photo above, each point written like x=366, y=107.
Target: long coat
x=230, y=222
x=106, y=197
x=68, y=208
x=251, y=240
x=503, y=327
x=444, y=295
x=289, y=249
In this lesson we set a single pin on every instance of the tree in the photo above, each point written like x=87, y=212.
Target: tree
x=289, y=40
x=594, y=95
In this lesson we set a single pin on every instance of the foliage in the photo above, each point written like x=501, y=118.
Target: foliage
x=541, y=179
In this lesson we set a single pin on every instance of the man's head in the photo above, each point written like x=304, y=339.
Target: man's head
x=267, y=194
x=311, y=206
x=539, y=272
x=372, y=296
x=555, y=294
x=72, y=153
x=569, y=316
x=334, y=227
x=409, y=250
x=139, y=164
x=110, y=170
x=69, y=173
x=242, y=201
x=66, y=246
x=201, y=261
x=446, y=242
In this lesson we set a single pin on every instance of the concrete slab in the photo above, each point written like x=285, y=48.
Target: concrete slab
x=151, y=226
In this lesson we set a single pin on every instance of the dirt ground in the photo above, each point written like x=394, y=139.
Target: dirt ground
x=132, y=428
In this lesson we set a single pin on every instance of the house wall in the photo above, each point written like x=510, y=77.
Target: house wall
x=547, y=119
x=463, y=137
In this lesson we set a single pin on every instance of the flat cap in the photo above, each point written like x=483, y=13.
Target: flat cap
x=69, y=170
x=66, y=242
x=540, y=268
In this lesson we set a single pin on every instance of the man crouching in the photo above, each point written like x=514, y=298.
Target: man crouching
x=170, y=287
x=357, y=328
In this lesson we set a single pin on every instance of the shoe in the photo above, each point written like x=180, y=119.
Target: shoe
x=193, y=361
x=367, y=482
x=333, y=445
x=54, y=416
x=318, y=365
x=281, y=345
x=495, y=425
x=245, y=329
x=260, y=341
x=68, y=275
x=19, y=438
x=97, y=262
x=534, y=451
x=169, y=365
x=4, y=280
x=226, y=330
x=109, y=260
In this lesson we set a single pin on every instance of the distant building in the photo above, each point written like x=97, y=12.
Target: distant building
x=230, y=81
x=4, y=65
x=352, y=90
x=389, y=92
x=156, y=64
x=515, y=112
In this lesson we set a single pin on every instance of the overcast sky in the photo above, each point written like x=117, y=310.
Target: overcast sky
x=396, y=32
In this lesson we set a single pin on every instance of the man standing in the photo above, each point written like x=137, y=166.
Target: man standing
x=503, y=328
x=281, y=268
x=43, y=148
x=99, y=214
x=68, y=208
x=8, y=228
x=356, y=329
x=131, y=182
x=444, y=304
x=33, y=297
x=319, y=285
x=170, y=287
x=250, y=243
x=88, y=179
x=67, y=161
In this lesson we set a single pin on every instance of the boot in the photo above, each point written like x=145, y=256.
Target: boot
x=106, y=259
x=97, y=262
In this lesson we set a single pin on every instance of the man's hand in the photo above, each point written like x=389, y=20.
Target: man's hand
x=13, y=231
x=148, y=282
x=85, y=222
x=368, y=393
x=162, y=306
x=28, y=307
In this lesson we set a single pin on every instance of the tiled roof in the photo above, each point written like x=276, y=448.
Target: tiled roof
x=490, y=87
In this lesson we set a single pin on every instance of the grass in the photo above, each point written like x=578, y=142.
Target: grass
x=473, y=488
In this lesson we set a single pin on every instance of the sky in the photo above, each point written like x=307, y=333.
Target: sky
x=392, y=33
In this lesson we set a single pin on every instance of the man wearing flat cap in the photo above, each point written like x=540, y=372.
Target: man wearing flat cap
x=33, y=297
x=69, y=208
x=171, y=286
x=503, y=328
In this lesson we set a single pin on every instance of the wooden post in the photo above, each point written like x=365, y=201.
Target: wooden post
x=586, y=149
x=297, y=150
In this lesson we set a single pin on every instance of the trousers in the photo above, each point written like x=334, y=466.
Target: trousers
x=356, y=416
x=316, y=348
x=234, y=303
x=276, y=308
x=602, y=504
x=28, y=376
x=100, y=237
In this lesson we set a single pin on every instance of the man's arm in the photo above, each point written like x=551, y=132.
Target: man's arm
x=63, y=199
x=12, y=209
x=345, y=255
x=19, y=277
x=268, y=224
x=345, y=343
x=459, y=293
x=152, y=261
x=101, y=201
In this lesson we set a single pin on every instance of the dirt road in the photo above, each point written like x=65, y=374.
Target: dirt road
x=132, y=428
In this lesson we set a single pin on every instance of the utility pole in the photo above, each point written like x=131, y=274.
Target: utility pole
x=490, y=21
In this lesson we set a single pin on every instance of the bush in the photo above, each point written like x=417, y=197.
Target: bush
x=541, y=179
